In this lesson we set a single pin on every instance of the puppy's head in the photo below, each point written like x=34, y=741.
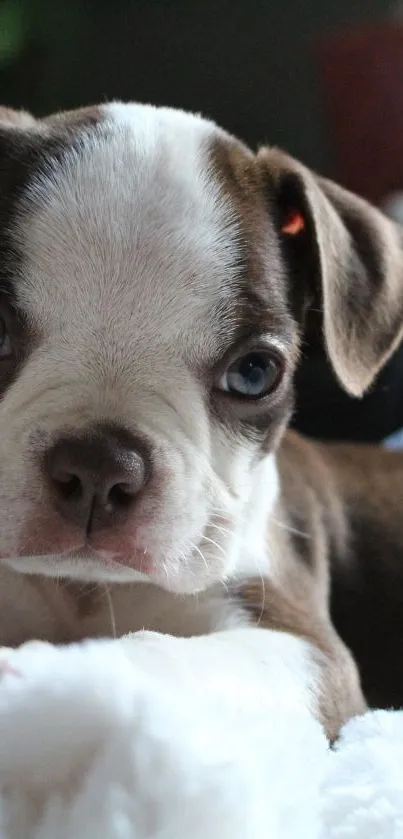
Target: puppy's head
x=154, y=275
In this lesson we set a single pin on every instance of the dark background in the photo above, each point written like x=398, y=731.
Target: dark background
x=261, y=68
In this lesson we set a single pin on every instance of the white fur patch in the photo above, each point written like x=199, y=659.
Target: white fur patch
x=129, y=218
x=254, y=557
x=116, y=740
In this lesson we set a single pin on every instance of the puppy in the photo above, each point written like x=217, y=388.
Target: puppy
x=155, y=277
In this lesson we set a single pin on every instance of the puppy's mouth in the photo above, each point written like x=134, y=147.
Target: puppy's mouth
x=84, y=563
x=51, y=546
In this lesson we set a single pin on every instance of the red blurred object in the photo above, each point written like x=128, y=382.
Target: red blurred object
x=362, y=82
x=294, y=224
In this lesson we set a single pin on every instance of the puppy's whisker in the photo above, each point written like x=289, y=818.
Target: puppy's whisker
x=220, y=528
x=220, y=547
x=259, y=621
x=225, y=586
x=87, y=591
x=240, y=539
x=183, y=558
x=289, y=528
x=243, y=542
x=283, y=525
x=220, y=511
x=111, y=610
x=201, y=554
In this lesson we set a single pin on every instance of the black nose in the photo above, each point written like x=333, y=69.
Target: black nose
x=95, y=478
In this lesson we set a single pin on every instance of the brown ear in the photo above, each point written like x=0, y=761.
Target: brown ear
x=355, y=254
x=19, y=132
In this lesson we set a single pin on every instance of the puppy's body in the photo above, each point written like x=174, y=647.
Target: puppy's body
x=61, y=611
x=154, y=282
x=367, y=577
x=333, y=535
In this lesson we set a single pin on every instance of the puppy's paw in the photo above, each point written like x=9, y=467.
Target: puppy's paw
x=57, y=705
x=7, y=667
x=12, y=659
x=120, y=733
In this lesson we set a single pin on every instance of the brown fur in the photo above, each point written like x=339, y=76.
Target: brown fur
x=340, y=696
x=343, y=568
x=309, y=526
x=367, y=577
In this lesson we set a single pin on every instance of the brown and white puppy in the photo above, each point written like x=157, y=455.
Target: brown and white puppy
x=154, y=277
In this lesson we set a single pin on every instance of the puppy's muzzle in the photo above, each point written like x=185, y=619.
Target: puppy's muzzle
x=95, y=478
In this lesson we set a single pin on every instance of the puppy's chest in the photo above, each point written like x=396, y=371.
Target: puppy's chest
x=35, y=607
x=133, y=608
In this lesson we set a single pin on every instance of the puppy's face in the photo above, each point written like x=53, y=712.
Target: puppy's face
x=149, y=323
x=146, y=350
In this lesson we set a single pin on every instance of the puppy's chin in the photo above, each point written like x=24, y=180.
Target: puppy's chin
x=176, y=577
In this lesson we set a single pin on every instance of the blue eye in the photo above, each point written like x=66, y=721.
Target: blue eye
x=253, y=375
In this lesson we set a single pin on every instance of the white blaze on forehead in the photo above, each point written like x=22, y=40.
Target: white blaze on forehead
x=132, y=225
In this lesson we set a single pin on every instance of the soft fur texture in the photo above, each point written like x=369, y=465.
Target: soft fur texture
x=98, y=745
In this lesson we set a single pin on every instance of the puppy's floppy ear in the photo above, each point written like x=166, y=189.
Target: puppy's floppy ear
x=353, y=257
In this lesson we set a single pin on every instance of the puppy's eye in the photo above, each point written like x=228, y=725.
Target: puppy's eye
x=253, y=375
x=5, y=341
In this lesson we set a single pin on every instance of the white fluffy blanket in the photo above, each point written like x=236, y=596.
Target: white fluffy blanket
x=93, y=746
